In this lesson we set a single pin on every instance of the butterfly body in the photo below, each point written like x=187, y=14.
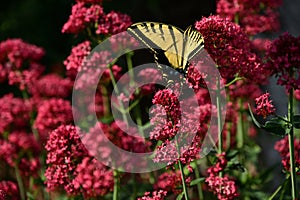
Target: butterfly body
x=168, y=41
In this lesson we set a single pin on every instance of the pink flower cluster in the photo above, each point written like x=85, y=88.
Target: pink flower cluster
x=100, y=137
x=254, y=16
x=222, y=186
x=86, y=16
x=24, y=144
x=15, y=112
x=284, y=60
x=51, y=85
x=155, y=195
x=19, y=62
x=170, y=182
x=166, y=126
x=264, y=105
x=93, y=179
x=229, y=47
x=81, y=16
x=282, y=146
x=71, y=167
x=9, y=190
x=52, y=113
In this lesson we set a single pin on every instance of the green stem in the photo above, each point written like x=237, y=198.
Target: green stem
x=279, y=188
x=220, y=140
x=130, y=66
x=240, y=127
x=183, y=180
x=113, y=80
x=181, y=172
x=199, y=188
x=105, y=99
x=20, y=183
x=291, y=144
x=116, y=185
x=233, y=81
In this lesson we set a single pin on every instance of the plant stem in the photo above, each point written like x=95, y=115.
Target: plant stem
x=183, y=180
x=116, y=185
x=181, y=172
x=113, y=80
x=220, y=140
x=20, y=183
x=199, y=188
x=291, y=144
x=240, y=127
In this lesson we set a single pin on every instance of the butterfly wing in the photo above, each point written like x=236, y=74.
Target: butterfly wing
x=193, y=44
x=161, y=36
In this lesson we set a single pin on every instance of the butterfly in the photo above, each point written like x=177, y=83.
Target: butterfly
x=174, y=44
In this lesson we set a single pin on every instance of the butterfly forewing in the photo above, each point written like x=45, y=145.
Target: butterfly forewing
x=178, y=46
x=193, y=43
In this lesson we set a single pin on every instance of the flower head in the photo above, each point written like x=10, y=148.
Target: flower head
x=282, y=146
x=93, y=178
x=51, y=114
x=81, y=16
x=264, y=105
x=64, y=152
x=284, y=60
x=9, y=190
x=229, y=47
x=113, y=23
x=155, y=195
x=169, y=181
x=254, y=16
x=223, y=187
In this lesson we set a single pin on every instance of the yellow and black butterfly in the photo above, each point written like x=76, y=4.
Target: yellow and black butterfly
x=176, y=45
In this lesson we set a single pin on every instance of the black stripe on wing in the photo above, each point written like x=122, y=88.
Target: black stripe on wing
x=194, y=36
x=135, y=32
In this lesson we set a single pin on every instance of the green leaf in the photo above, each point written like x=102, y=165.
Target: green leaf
x=253, y=118
x=236, y=166
x=179, y=197
x=231, y=154
x=196, y=181
x=296, y=120
x=277, y=126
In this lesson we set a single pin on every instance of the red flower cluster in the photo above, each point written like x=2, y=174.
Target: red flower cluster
x=52, y=113
x=170, y=182
x=15, y=112
x=93, y=179
x=51, y=85
x=71, y=167
x=9, y=190
x=75, y=59
x=21, y=150
x=155, y=195
x=85, y=15
x=166, y=120
x=223, y=187
x=264, y=105
x=64, y=152
x=282, y=146
x=81, y=16
x=19, y=62
x=115, y=132
x=254, y=16
x=229, y=47
x=284, y=60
